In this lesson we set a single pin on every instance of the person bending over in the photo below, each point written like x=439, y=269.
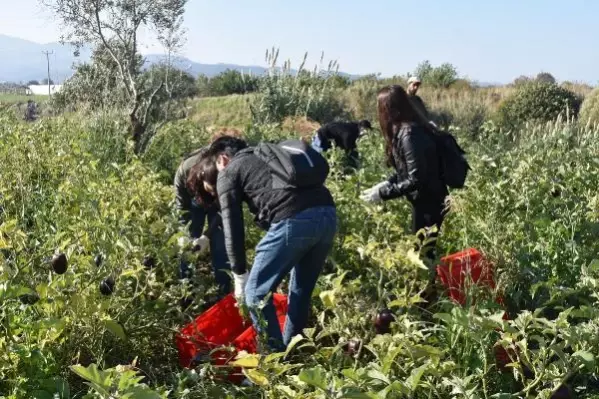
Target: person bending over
x=344, y=135
x=300, y=227
x=195, y=208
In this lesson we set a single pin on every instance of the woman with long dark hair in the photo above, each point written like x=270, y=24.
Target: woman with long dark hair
x=411, y=149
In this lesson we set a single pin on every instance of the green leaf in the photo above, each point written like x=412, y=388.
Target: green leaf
x=294, y=341
x=256, y=376
x=247, y=361
x=141, y=392
x=115, y=328
x=99, y=379
x=587, y=358
x=328, y=299
x=377, y=375
x=42, y=395
x=415, y=259
x=287, y=391
x=355, y=393
x=314, y=377
x=415, y=377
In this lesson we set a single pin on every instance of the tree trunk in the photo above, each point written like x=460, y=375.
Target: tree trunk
x=138, y=130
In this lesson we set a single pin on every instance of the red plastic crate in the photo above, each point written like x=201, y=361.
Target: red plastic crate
x=219, y=327
x=247, y=340
x=470, y=265
x=456, y=269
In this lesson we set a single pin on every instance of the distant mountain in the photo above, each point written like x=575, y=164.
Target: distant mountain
x=22, y=60
x=195, y=68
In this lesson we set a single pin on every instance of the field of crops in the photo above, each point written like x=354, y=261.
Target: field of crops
x=102, y=322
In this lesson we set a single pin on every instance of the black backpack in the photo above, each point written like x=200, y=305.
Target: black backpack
x=454, y=166
x=293, y=164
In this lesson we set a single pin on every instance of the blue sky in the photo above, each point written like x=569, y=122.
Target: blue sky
x=490, y=41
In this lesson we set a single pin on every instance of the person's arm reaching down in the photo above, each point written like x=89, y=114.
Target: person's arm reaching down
x=230, y=196
x=182, y=197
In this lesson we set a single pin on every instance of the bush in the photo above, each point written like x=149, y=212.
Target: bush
x=227, y=83
x=361, y=98
x=545, y=77
x=537, y=101
x=589, y=112
x=467, y=114
x=442, y=76
x=312, y=94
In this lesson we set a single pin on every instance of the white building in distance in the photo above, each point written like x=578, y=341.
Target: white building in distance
x=42, y=90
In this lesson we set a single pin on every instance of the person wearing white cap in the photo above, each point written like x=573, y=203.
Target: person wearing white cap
x=414, y=84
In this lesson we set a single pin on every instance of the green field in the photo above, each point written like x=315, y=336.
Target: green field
x=71, y=184
x=16, y=98
x=221, y=112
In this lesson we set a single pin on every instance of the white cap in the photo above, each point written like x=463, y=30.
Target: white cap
x=414, y=79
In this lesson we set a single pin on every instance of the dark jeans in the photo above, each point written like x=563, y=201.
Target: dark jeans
x=426, y=214
x=298, y=245
x=218, y=253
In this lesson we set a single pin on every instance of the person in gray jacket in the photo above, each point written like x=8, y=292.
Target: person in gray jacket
x=194, y=213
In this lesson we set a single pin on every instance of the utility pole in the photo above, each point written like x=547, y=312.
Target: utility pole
x=47, y=53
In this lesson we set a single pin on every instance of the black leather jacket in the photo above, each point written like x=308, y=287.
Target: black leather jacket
x=418, y=170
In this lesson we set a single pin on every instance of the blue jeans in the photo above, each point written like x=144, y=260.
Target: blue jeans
x=298, y=245
x=218, y=253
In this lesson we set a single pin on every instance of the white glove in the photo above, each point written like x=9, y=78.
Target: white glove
x=434, y=124
x=201, y=244
x=240, y=281
x=373, y=195
x=182, y=242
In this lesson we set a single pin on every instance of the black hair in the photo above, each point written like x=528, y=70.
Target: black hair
x=365, y=124
x=228, y=145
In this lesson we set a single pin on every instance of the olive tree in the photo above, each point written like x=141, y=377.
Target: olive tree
x=114, y=26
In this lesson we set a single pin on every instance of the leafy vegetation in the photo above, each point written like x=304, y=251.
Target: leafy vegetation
x=227, y=83
x=443, y=75
x=90, y=301
x=113, y=28
x=307, y=93
x=537, y=101
x=589, y=113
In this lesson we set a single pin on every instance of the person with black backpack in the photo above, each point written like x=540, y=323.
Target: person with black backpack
x=283, y=186
x=426, y=161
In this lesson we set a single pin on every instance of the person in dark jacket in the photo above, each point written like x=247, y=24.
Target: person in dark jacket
x=411, y=150
x=345, y=135
x=194, y=213
x=414, y=84
x=300, y=224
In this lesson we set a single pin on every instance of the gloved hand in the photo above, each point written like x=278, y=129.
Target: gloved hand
x=201, y=244
x=240, y=281
x=373, y=195
x=433, y=124
x=183, y=242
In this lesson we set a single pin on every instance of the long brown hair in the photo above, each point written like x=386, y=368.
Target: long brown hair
x=195, y=184
x=395, y=108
